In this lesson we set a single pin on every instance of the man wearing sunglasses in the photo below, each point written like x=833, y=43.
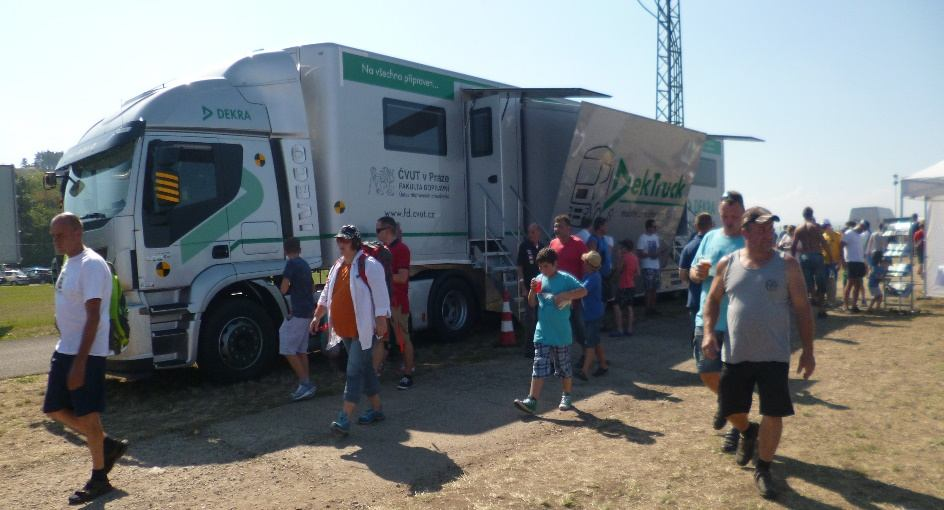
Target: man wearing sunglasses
x=400, y=297
x=716, y=244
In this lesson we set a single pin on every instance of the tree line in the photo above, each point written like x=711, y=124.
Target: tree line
x=36, y=207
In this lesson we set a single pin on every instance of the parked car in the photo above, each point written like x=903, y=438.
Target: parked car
x=39, y=274
x=15, y=277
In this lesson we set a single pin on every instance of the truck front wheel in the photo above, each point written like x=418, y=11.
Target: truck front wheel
x=451, y=308
x=238, y=341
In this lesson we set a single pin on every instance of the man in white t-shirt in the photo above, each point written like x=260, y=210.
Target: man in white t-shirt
x=649, y=249
x=853, y=258
x=75, y=392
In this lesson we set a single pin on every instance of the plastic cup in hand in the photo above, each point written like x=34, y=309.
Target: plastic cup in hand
x=536, y=284
x=704, y=264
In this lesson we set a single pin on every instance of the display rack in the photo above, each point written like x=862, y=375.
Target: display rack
x=899, y=282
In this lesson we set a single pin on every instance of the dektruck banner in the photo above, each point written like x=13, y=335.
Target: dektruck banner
x=628, y=169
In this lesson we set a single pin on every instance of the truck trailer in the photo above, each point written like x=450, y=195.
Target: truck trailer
x=191, y=187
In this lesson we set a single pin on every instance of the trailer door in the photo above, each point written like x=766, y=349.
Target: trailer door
x=492, y=148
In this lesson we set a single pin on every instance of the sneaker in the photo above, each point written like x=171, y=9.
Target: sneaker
x=600, y=371
x=565, y=403
x=718, y=421
x=304, y=392
x=406, y=382
x=528, y=405
x=731, y=440
x=341, y=426
x=822, y=314
x=615, y=334
x=855, y=309
x=580, y=374
x=765, y=483
x=114, y=449
x=745, y=450
x=370, y=416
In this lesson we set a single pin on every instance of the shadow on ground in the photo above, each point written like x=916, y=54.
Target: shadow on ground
x=856, y=488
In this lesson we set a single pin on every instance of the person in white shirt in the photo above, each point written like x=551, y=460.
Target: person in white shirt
x=649, y=249
x=358, y=306
x=584, y=232
x=853, y=258
x=75, y=392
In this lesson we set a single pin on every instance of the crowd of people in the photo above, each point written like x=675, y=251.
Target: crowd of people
x=744, y=289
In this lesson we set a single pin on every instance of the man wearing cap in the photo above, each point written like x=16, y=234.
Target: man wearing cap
x=358, y=305
x=853, y=257
x=763, y=288
x=716, y=244
x=808, y=240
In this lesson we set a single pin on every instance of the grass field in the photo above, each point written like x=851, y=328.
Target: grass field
x=27, y=311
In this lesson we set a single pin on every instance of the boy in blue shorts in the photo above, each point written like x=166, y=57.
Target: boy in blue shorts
x=293, y=334
x=551, y=291
x=593, y=310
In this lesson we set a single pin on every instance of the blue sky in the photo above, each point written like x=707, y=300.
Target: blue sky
x=844, y=93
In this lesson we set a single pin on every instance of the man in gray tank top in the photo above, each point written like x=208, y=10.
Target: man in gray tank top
x=762, y=287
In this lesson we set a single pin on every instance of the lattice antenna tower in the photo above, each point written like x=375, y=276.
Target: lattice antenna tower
x=670, y=106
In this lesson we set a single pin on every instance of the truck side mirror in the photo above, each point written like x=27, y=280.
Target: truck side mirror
x=49, y=180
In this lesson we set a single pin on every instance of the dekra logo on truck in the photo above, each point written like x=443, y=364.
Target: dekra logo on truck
x=226, y=113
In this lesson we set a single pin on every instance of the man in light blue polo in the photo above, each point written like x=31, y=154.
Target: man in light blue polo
x=716, y=244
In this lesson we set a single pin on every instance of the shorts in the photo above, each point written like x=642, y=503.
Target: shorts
x=592, y=329
x=401, y=327
x=90, y=398
x=832, y=271
x=855, y=269
x=552, y=359
x=651, y=279
x=609, y=286
x=703, y=364
x=577, y=328
x=875, y=290
x=293, y=336
x=737, y=388
x=624, y=297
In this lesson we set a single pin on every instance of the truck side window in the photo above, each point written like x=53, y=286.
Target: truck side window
x=707, y=173
x=414, y=127
x=184, y=185
x=480, y=120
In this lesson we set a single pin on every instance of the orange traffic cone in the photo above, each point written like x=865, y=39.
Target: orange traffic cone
x=507, y=338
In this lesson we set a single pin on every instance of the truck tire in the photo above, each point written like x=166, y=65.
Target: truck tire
x=237, y=342
x=452, y=308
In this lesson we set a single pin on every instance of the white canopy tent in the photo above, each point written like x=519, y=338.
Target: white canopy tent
x=929, y=185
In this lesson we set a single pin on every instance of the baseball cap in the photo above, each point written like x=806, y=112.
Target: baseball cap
x=348, y=232
x=758, y=215
x=826, y=222
x=592, y=258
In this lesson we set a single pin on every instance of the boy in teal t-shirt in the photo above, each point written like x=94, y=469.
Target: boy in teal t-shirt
x=552, y=291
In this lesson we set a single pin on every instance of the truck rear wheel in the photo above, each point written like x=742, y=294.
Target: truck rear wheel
x=452, y=308
x=238, y=341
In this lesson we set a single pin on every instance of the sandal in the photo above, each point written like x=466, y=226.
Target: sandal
x=92, y=490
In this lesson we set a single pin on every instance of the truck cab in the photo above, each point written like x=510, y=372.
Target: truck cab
x=188, y=192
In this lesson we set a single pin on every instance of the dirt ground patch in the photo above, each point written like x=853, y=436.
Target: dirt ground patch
x=868, y=433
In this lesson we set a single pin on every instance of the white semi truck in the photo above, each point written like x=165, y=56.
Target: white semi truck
x=190, y=188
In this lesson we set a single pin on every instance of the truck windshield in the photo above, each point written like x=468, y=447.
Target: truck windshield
x=97, y=187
